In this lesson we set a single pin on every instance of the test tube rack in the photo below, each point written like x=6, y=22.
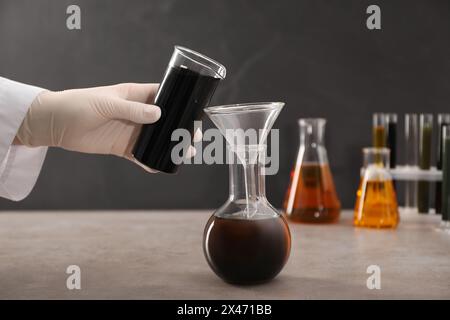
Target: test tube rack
x=414, y=173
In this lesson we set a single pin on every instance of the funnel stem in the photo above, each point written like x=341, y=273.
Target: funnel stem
x=246, y=180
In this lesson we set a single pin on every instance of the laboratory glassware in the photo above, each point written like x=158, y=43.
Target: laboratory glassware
x=311, y=196
x=379, y=130
x=445, y=196
x=425, y=144
x=391, y=137
x=443, y=120
x=187, y=87
x=246, y=240
x=411, y=157
x=376, y=201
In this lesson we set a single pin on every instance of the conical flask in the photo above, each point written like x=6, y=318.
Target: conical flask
x=246, y=240
x=376, y=201
x=311, y=196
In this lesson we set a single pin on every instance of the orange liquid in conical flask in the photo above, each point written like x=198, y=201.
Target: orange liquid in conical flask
x=311, y=196
x=376, y=205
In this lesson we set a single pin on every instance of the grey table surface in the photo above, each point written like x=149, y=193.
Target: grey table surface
x=158, y=255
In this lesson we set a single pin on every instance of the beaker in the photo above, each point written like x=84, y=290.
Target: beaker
x=188, y=86
x=376, y=201
x=246, y=240
x=311, y=196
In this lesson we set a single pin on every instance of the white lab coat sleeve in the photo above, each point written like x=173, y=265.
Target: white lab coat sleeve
x=19, y=165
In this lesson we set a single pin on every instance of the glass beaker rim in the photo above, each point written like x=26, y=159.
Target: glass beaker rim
x=206, y=61
x=244, y=107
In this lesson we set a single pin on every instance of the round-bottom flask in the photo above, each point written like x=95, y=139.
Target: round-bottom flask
x=247, y=241
x=247, y=251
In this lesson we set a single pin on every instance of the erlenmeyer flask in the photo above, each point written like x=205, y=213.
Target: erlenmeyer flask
x=311, y=196
x=376, y=201
x=246, y=240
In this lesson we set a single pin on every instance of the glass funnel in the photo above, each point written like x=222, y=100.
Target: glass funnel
x=246, y=240
x=311, y=195
x=245, y=124
x=376, y=201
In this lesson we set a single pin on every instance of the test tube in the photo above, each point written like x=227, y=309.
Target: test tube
x=411, y=156
x=446, y=176
x=443, y=120
x=391, y=136
x=425, y=139
x=379, y=130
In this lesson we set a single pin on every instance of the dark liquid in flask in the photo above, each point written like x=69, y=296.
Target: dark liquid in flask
x=245, y=251
x=182, y=96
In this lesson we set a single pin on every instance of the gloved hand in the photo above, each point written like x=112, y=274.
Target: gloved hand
x=102, y=120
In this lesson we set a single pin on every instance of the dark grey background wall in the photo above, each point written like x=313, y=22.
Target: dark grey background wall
x=315, y=55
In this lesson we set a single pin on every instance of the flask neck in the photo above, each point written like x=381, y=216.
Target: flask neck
x=376, y=157
x=312, y=147
x=312, y=132
x=247, y=179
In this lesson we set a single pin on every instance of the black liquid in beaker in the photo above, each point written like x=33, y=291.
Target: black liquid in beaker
x=247, y=251
x=182, y=96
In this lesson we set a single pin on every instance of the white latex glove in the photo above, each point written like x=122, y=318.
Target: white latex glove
x=102, y=120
